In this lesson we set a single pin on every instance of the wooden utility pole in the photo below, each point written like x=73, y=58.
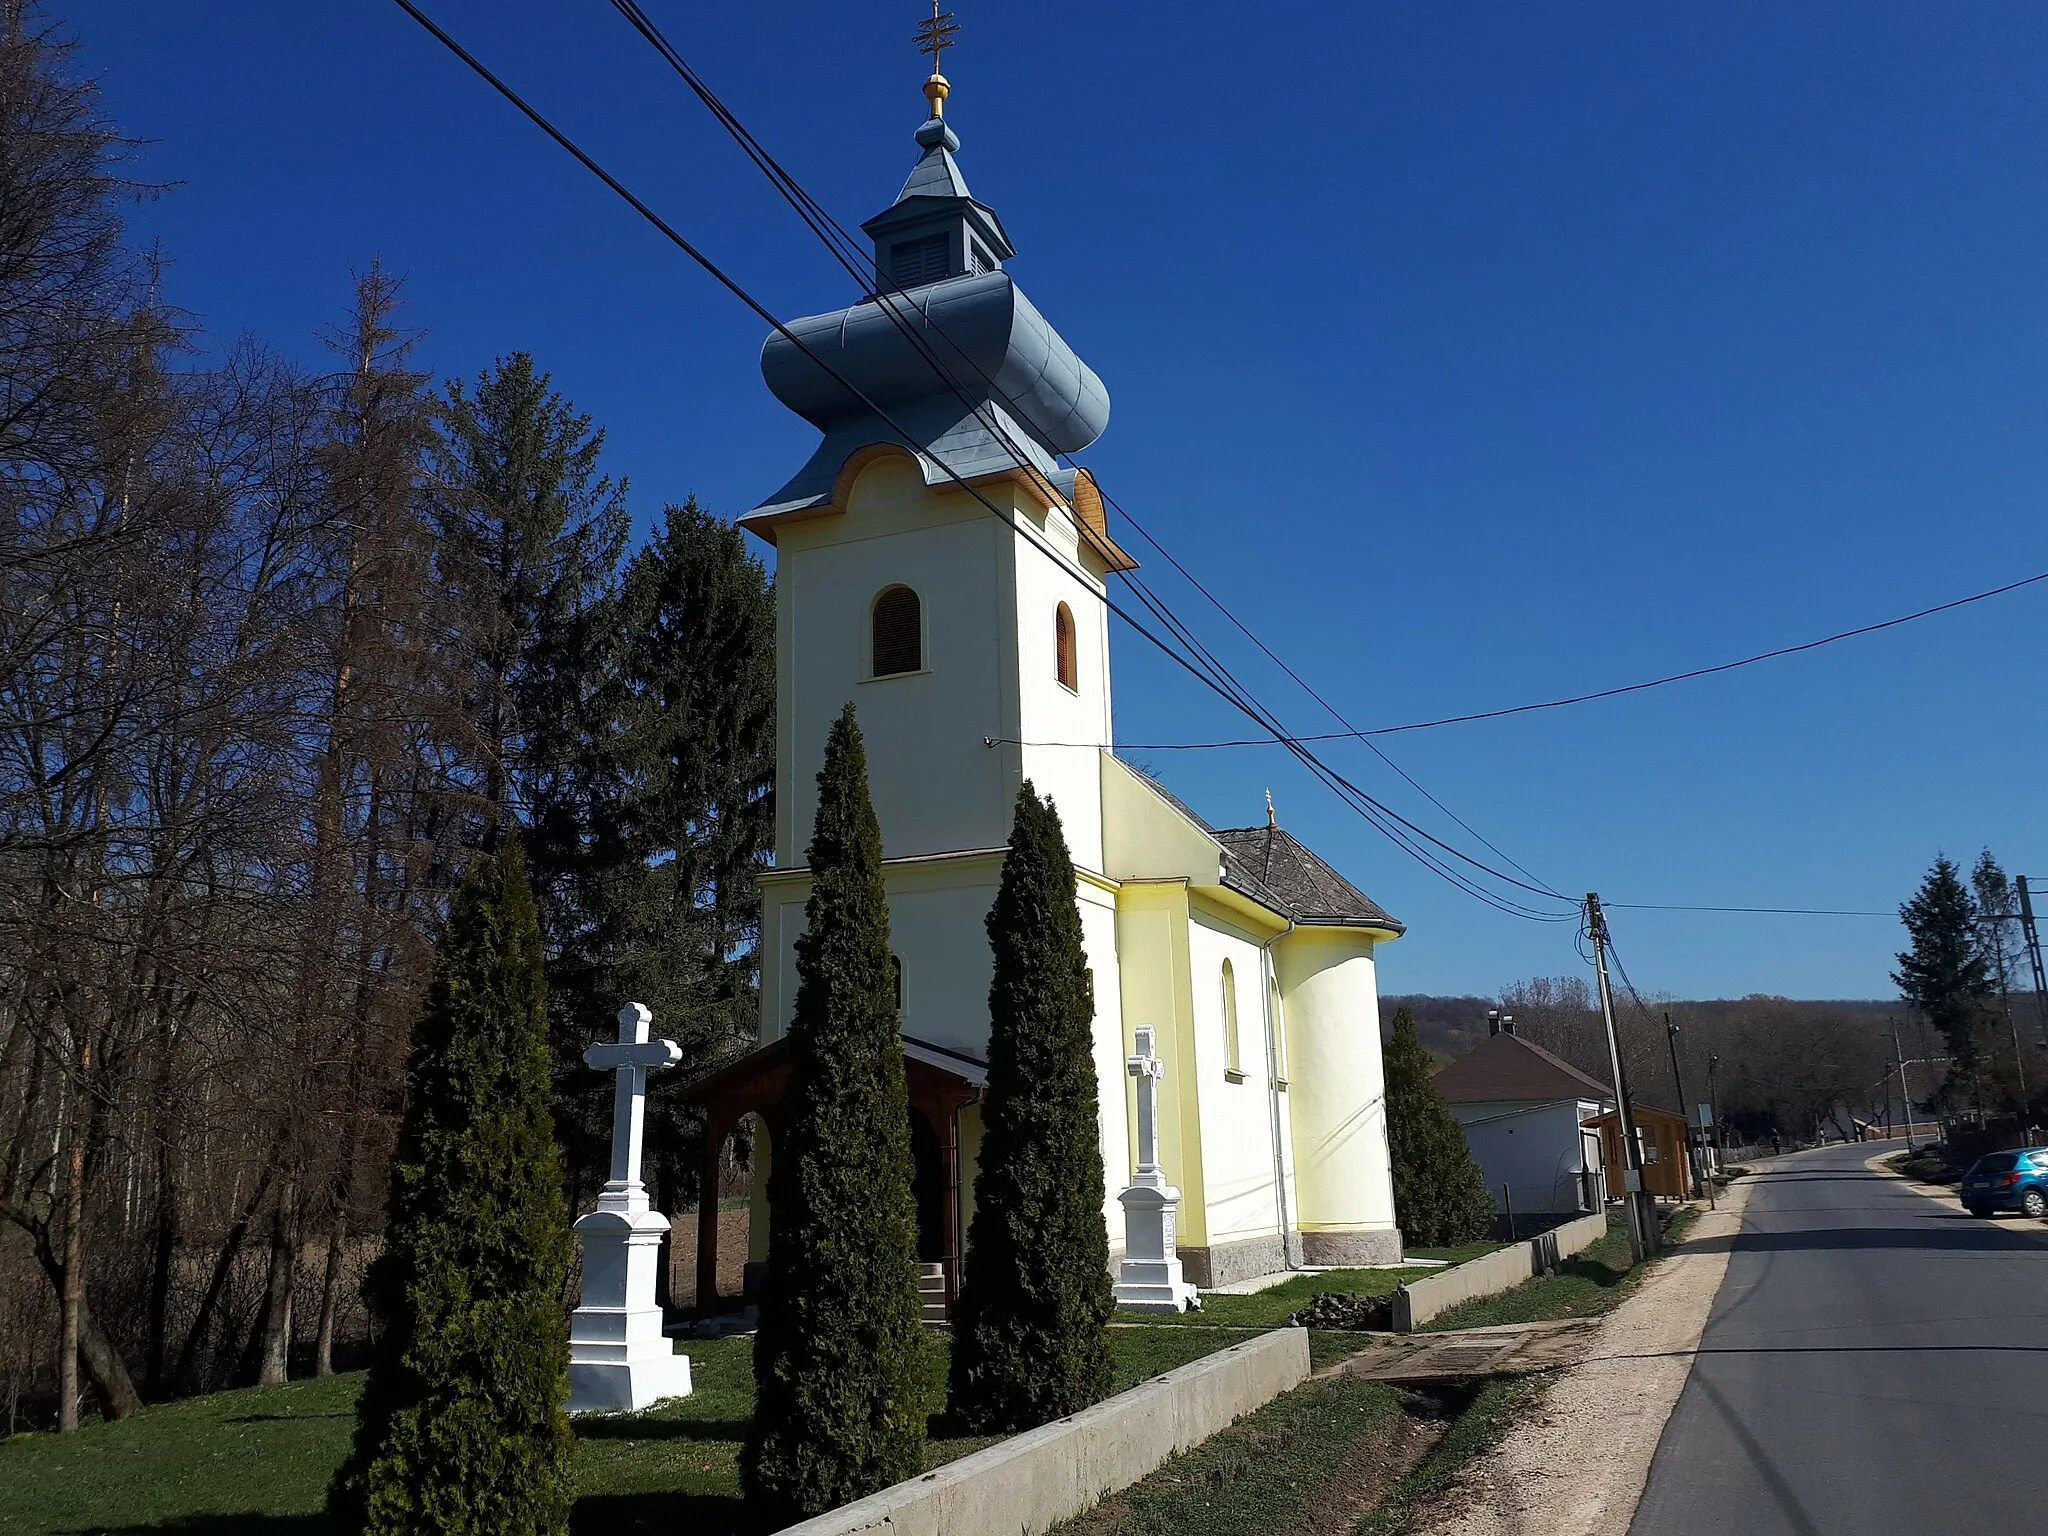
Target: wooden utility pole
x=1905, y=1093
x=2033, y=938
x=1642, y=1220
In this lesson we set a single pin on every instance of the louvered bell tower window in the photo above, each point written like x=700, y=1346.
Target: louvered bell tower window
x=898, y=632
x=914, y=262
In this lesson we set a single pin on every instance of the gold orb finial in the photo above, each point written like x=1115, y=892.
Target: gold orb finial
x=936, y=90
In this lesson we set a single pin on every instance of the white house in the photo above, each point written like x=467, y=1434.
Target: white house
x=939, y=566
x=1524, y=1112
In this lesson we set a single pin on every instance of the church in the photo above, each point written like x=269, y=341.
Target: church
x=939, y=566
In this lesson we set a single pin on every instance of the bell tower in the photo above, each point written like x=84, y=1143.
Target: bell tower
x=936, y=563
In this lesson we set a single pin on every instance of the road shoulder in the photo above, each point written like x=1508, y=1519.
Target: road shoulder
x=1610, y=1408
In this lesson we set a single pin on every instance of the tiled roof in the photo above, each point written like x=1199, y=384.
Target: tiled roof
x=1506, y=1067
x=1273, y=862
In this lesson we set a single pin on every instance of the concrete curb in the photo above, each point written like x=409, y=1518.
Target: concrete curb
x=1490, y=1274
x=1032, y=1481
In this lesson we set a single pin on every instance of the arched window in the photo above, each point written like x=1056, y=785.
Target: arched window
x=898, y=632
x=1233, y=1064
x=1063, y=645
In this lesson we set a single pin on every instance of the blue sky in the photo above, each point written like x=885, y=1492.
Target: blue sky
x=1472, y=355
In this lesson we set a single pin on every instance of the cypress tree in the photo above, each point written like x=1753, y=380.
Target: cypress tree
x=1028, y=1339
x=842, y=1370
x=461, y=1426
x=1440, y=1195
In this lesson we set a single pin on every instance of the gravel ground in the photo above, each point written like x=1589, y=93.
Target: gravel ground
x=1576, y=1465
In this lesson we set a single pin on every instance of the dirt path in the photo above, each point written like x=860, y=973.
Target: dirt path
x=1609, y=1410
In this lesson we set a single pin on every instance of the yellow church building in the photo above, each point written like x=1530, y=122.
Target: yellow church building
x=937, y=565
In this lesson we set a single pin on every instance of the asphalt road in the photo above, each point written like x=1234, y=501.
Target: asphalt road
x=1876, y=1362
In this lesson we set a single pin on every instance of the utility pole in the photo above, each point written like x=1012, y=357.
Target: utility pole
x=2033, y=938
x=1692, y=1159
x=1642, y=1221
x=1905, y=1093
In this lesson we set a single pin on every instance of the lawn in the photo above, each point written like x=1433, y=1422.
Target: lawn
x=1272, y=1307
x=1594, y=1281
x=256, y=1462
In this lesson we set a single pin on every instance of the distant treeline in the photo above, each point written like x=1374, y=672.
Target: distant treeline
x=1775, y=1064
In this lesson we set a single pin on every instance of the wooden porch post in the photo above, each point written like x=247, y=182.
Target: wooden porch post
x=949, y=1159
x=715, y=1132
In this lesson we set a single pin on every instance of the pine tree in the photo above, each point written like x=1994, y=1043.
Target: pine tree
x=673, y=814
x=1945, y=974
x=842, y=1370
x=461, y=1428
x=1028, y=1339
x=531, y=534
x=1440, y=1195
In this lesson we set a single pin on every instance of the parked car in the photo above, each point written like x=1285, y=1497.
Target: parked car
x=2008, y=1181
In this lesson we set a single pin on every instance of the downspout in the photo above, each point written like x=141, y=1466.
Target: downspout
x=1270, y=976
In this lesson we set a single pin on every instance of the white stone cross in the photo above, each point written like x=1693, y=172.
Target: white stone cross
x=1149, y=1279
x=618, y=1356
x=633, y=1057
x=1144, y=1064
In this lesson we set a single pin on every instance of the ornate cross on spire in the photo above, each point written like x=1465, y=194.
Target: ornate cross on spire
x=935, y=36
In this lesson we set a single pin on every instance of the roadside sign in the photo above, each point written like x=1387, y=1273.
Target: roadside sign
x=1705, y=1114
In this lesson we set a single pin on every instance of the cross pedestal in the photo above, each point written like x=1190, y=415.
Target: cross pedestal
x=1149, y=1278
x=618, y=1357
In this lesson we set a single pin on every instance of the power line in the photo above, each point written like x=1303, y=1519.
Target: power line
x=1581, y=698
x=1654, y=906
x=856, y=261
x=1219, y=682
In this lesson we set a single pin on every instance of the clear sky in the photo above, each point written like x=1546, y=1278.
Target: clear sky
x=1472, y=354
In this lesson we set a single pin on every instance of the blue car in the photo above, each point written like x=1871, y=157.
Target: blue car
x=2008, y=1181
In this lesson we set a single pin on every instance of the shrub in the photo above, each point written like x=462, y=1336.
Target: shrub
x=460, y=1428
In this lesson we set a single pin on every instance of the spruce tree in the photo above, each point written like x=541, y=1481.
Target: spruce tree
x=1440, y=1195
x=842, y=1370
x=669, y=825
x=1028, y=1339
x=1945, y=973
x=461, y=1428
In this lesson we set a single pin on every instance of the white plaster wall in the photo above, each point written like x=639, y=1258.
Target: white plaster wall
x=1237, y=1118
x=935, y=786
x=1047, y=711
x=1531, y=1147
x=1112, y=1046
x=1337, y=1083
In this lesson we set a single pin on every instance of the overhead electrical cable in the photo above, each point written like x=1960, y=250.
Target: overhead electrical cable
x=731, y=285
x=1579, y=698
x=859, y=265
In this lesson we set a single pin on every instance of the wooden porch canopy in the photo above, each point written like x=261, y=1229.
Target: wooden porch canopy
x=941, y=1082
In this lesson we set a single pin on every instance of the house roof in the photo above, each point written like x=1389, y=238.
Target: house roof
x=1506, y=1067
x=1269, y=858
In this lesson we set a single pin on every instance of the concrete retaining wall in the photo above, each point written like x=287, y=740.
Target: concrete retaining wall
x=1416, y=1303
x=1034, y=1480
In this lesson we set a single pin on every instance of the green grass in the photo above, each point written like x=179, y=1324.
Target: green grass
x=1583, y=1286
x=1256, y=1477
x=1272, y=1307
x=256, y=1462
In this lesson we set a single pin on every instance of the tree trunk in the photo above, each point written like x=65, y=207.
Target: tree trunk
x=72, y=1291
x=277, y=1303
x=330, y=1290
x=223, y=1267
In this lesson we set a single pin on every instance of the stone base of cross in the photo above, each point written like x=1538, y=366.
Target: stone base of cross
x=619, y=1359
x=1149, y=1278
